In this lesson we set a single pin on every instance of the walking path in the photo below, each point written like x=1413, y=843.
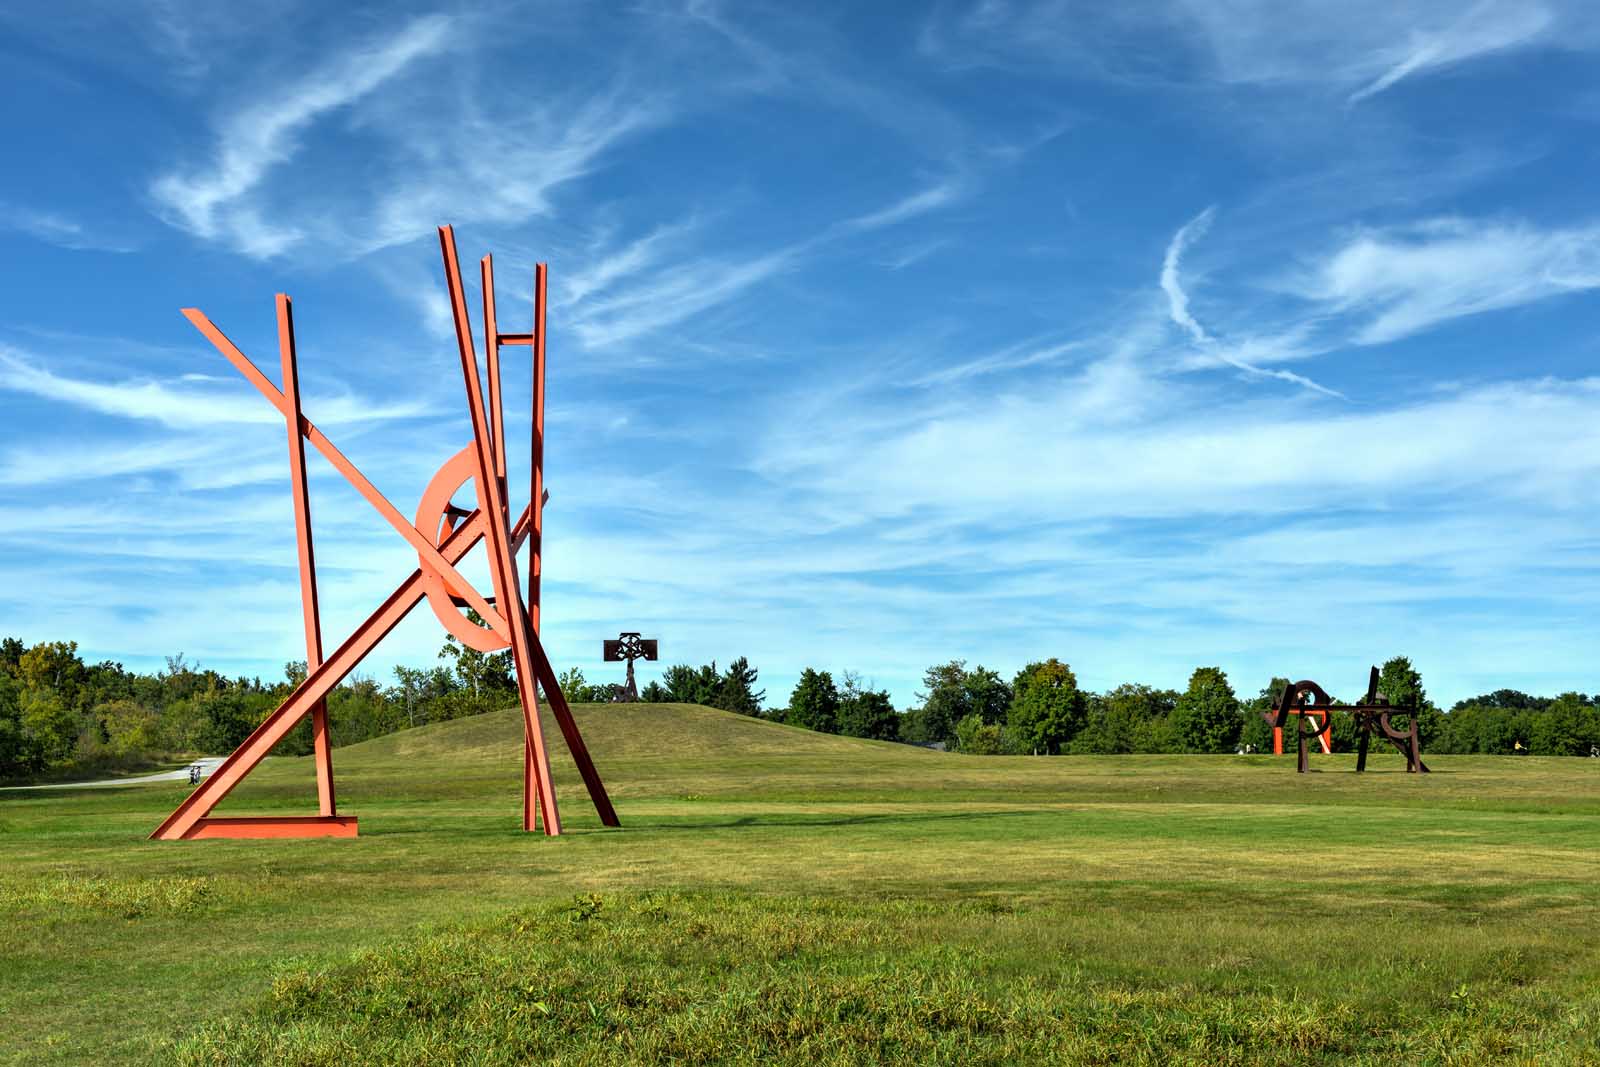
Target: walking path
x=207, y=765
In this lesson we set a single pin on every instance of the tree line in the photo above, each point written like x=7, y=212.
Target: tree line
x=61, y=716
x=1043, y=711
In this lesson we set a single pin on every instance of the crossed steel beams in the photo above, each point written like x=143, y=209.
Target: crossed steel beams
x=1309, y=701
x=436, y=578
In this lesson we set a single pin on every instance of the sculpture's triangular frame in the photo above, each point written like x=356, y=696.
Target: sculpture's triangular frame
x=512, y=620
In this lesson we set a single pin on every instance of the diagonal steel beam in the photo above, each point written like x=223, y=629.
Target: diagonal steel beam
x=503, y=566
x=425, y=548
x=316, y=687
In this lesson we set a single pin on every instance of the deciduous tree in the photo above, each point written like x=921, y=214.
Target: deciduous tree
x=1206, y=718
x=1050, y=711
x=814, y=704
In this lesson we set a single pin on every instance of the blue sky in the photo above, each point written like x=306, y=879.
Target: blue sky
x=1257, y=334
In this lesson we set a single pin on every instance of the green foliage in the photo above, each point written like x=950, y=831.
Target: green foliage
x=485, y=675
x=988, y=697
x=866, y=712
x=130, y=729
x=814, y=704
x=953, y=693
x=11, y=650
x=51, y=730
x=1049, y=710
x=1402, y=684
x=1569, y=726
x=690, y=685
x=737, y=691
x=978, y=738
x=53, y=667
x=1130, y=718
x=423, y=694
x=18, y=752
x=1206, y=717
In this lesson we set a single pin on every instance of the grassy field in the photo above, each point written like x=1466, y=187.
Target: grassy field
x=782, y=896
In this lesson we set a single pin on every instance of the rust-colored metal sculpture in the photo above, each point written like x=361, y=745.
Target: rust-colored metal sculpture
x=630, y=646
x=1310, y=704
x=442, y=536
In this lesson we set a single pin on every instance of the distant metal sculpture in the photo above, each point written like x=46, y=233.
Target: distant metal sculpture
x=629, y=646
x=1311, y=704
x=442, y=536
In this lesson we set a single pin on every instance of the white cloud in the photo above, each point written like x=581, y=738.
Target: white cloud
x=607, y=267
x=1405, y=279
x=1031, y=353
x=1177, y=298
x=1070, y=449
x=1356, y=48
x=1367, y=46
x=500, y=165
x=1232, y=355
x=919, y=203
x=212, y=202
x=56, y=229
x=671, y=296
x=182, y=404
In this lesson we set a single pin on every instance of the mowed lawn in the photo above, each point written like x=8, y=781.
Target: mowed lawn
x=782, y=896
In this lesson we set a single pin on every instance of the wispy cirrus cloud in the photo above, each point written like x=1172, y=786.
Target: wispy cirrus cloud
x=662, y=278
x=1049, y=450
x=1404, y=279
x=1231, y=354
x=1364, y=47
x=940, y=194
x=213, y=201
x=57, y=230
x=1357, y=49
x=669, y=296
x=181, y=403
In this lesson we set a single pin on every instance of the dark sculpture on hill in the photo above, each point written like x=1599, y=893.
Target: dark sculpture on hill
x=629, y=646
x=1314, y=709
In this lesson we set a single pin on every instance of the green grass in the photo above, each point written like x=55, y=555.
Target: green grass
x=781, y=896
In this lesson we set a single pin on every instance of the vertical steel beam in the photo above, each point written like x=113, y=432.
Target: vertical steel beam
x=541, y=275
x=308, y=563
x=536, y=494
x=536, y=490
x=491, y=344
x=503, y=568
x=497, y=442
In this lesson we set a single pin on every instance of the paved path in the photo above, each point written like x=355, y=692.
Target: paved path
x=207, y=765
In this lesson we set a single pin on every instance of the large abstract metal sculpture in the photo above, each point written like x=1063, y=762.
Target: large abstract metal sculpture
x=442, y=536
x=1314, y=708
x=629, y=646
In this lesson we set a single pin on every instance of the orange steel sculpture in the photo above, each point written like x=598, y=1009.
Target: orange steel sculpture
x=442, y=535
